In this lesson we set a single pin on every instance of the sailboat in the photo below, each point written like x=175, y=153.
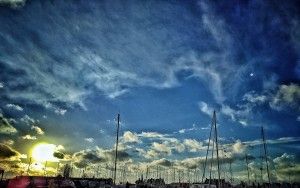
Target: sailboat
x=213, y=139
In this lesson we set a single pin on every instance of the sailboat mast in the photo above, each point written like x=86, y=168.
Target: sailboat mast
x=211, y=162
x=217, y=148
x=29, y=163
x=231, y=174
x=265, y=150
x=117, y=142
x=204, y=168
x=247, y=163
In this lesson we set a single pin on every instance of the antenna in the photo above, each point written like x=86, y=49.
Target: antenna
x=117, y=142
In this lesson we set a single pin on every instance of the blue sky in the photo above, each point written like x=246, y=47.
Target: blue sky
x=68, y=67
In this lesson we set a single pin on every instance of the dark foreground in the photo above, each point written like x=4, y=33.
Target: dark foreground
x=60, y=182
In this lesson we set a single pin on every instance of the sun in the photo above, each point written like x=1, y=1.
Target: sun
x=44, y=152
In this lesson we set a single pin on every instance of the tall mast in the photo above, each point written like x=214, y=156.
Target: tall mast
x=147, y=172
x=45, y=169
x=29, y=163
x=57, y=169
x=247, y=163
x=174, y=175
x=265, y=150
x=97, y=173
x=204, y=168
x=117, y=142
x=217, y=148
x=230, y=169
x=211, y=161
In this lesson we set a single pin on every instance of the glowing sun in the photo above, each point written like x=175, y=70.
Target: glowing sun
x=44, y=152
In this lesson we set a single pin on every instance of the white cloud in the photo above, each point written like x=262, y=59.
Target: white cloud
x=227, y=110
x=238, y=147
x=152, y=154
x=90, y=140
x=162, y=147
x=130, y=137
x=37, y=129
x=101, y=131
x=282, y=140
x=286, y=95
x=15, y=107
x=60, y=111
x=243, y=122
x=13, y=3
x=235, y=115
x=285, y=160
x=161, y=162
x=1, y=85
x=27, y=119
x=55, y=109
x=28, y=137
x=239, y=115
x=179, y=147
x=205, y=108
x=254, y=98
x=60, y=148
x=189, y=163
x=107, y=73
x=193, y=128
x=193, y=145
x=152, y=135
x=181, y=131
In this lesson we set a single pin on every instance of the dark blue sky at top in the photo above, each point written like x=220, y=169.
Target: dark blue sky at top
x=154, y=62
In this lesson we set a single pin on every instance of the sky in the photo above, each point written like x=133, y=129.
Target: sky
x=67, y=68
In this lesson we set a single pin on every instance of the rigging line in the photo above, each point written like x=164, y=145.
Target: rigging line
x=212, y=158
x=216, y=138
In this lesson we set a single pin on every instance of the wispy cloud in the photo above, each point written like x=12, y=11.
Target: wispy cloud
x=90, y=140
x=28, y=137
x=28, y=120
x=286, y=95
x=6, y=126
x=205, y=108
x=37, y=130
x=130, y=137
x=8, y=153
x=15, y=107
x=13, y=3
x=193, y=145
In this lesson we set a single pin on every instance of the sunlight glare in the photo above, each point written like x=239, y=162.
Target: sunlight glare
x=44, y=152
